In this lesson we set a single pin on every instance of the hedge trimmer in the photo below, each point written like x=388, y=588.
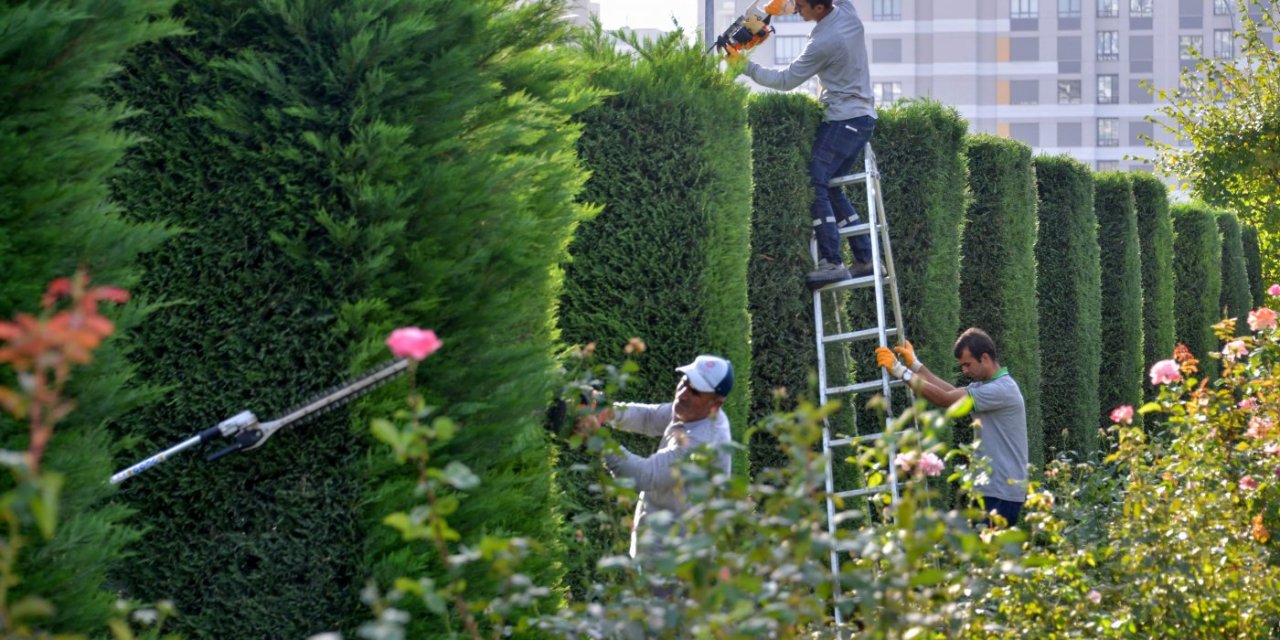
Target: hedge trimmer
x=751, y=28
x=247, y=433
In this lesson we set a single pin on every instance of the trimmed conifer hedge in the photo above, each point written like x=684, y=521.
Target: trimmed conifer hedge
x=1155, y=249
x=341, y=169
x=782, y=347
x=1253, y=263
x=1120, y=376
x=1236, y=299
x=1197, y=270
x=60, y=147
x=998, y=268
x=1068, y=289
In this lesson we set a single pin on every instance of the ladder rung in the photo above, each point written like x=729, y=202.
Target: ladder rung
x=853, y=493
x=864, y=334
x=852, y=283
x=840, y=442
x=855, y=229
x=862, y=387
x=849, y=179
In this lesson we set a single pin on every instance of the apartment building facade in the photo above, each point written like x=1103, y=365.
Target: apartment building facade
x=1077, y=77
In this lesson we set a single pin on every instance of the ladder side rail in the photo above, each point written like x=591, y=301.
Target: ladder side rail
x=827, y=454
x=879, y=233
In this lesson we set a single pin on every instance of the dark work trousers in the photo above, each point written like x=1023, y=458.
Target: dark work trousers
x=838, y=144
x=1008, y=509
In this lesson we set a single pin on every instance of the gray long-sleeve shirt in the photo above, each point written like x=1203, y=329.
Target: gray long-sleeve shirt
x=654, y=475
x=837, y=53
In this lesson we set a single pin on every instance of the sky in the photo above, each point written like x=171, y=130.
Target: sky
x=648, y=14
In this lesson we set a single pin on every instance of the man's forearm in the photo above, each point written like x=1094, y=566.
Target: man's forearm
x=934, y=389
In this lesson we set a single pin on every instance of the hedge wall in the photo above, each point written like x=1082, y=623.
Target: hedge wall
x=782, y=347
x=1121, y=374
x=1155, y=249
x=1197, y=271
x=342, y=168
x=1253, y=263
x=997, y=275
x=666, y=259
x=1237, y=297
x=1068, y=288
x=59, y=150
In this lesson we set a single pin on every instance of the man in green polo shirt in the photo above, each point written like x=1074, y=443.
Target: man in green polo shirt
x=999, y=412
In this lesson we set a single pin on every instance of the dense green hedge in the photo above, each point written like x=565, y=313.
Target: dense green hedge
x=1197, y=270
x=1068, y=289
x=59, y=150
x=666, y=259
x=782, y=347
x=998, y=270
x=342, y=168
x=1236, y=299
x=1253, y=263
x=1120, y=377
x=1155, y=249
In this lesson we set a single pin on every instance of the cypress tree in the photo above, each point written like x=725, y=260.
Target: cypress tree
x=998, y=270
x=1197, y=271
x=1253, y=263
x=1068, y=288
x=1155, y=240
x=1236, y=299
x=1120, y=376
x=60, y=148
x=341, y=168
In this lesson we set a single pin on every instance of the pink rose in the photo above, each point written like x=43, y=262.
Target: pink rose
x=905, y=461
x=1274, y=290
x=1262, y=318
x=1164, y=372
x=1258, y=427
x=1234, y=349
x=1248, y=483
x=1248, y=404
x=1094, y=596
x=1122, y=413
x=931, y=464
x=1272, y=449
x=412, y=342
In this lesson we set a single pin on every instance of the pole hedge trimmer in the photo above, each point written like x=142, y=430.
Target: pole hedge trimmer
x=247, y=433
x=751, y=28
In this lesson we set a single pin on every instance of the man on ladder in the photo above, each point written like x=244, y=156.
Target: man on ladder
x=837, y=53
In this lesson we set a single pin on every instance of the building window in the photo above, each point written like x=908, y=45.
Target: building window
x=1024, y=92
x=1108, y=45
x=886, y=92
x=1068, y=8
x=1108, y=165
x=1024, y=9
x=1140, y=8
x=886, y=9
x=1223, y=44
x=787, y=48
x=1027, y=132
x=1069, y=134
x=1108, y=132
x=788, y=17
x=886, y=50
x=1108, y=89
x=1108, y=8
x=1222, y=7
x=1189, y=46
x=1069, y=92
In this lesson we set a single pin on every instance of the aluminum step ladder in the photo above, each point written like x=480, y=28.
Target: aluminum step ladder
x=883, y=282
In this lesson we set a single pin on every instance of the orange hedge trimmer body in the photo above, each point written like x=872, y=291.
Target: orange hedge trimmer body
x=751, y=28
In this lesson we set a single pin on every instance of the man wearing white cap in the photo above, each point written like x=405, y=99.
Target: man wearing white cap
x=691, y=420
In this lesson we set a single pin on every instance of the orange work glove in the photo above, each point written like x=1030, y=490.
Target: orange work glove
x=908, y=355
x=886, y=359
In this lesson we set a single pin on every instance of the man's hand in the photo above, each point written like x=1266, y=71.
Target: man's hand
x=908, y=355
x=886, y=359
x=592, y=419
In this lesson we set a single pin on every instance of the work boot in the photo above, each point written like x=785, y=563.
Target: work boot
x=825, y=274
x=859, y=269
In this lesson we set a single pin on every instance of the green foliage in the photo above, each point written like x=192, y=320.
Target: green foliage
x=1120, y=377
x=60, y=145
x=343, y=168
x=782, y=347
x=997, y=277
x=1155, y=249
x=1253, y=264
x=666, y=259
x=1068, y=289
x=1197, y=270
x=1237, y=298
x=1226, y=119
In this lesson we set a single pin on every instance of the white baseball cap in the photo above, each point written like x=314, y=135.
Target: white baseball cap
x=709, y=374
